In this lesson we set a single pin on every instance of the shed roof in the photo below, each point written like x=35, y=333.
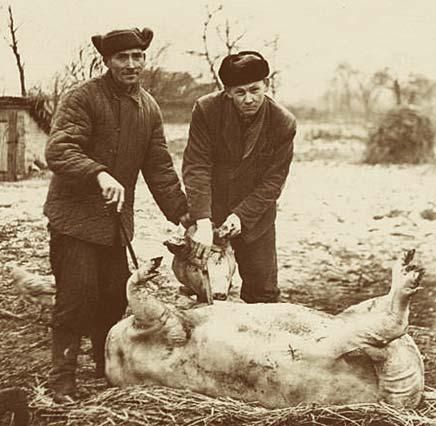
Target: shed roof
x=37, y=107
x=15, y=102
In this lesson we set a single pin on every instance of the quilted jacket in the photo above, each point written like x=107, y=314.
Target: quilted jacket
x=98, y=127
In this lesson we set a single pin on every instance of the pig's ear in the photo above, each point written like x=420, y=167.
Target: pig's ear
x=156, y=262
x=408, y=256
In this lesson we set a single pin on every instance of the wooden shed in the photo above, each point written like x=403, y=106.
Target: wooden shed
x=24, y=128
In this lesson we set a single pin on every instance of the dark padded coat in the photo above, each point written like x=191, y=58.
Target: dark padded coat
x=98, y=127
x=219, y=180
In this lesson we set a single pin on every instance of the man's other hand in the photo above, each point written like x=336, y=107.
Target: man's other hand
x=111, y=190
x=231, y=227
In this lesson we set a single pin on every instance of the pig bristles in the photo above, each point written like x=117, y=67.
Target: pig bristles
x=157, y=405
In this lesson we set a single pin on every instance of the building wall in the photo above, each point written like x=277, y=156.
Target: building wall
x=35, y=140
x=31, y=141
x=3, y=143
x=21, y=148
x=8, y=151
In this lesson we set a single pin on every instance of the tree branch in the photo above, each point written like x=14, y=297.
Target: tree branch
x=14, y=47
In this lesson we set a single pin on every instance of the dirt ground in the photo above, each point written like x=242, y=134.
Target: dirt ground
x=340, y=226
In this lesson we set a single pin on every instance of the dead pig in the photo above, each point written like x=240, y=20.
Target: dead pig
x=278, y=354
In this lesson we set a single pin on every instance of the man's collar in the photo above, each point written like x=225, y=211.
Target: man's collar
x=248, y=119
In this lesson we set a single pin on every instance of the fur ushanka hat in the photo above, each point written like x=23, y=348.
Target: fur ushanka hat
x=118, y=40
x=243, y=68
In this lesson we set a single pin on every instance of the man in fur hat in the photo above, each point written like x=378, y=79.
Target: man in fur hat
x=235, y=165
x=104, y=133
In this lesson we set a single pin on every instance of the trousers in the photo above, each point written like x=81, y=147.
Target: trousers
x=257, y=265
x=90, y=299
x=90, y=285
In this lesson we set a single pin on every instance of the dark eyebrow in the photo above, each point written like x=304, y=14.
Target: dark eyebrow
x=126, y=55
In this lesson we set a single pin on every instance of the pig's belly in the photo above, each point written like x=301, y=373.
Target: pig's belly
x=250, y=352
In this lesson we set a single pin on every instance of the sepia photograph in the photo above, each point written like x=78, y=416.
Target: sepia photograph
x=217, y=212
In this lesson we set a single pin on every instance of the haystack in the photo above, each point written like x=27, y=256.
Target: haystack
x=403, y=136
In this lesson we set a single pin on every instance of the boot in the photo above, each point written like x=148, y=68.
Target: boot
x=98, y=339
x=15, y=400
x=62, y=376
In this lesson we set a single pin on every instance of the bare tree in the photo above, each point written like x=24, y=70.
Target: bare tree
x=368, y=88
x=14, y=46
x=353, y=92
x=86, y=64
x=274, y=76
x=206, y=53
x=341, y=87
x=230, y=35
x=418, y=89
x=226, y=36
x=397, y=91
x=152, y=76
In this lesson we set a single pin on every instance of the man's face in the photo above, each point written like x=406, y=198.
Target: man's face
x=126, y=66
x=248, y=98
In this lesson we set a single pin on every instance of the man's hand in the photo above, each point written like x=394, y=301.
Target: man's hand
x=111, y=190
x=201, y=238
x=203, y=234
x=231, y=227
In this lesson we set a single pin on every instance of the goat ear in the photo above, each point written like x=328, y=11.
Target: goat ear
x=96, y=41
x=147, y=36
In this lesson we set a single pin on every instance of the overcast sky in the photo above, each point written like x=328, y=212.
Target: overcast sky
x=315, y=35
